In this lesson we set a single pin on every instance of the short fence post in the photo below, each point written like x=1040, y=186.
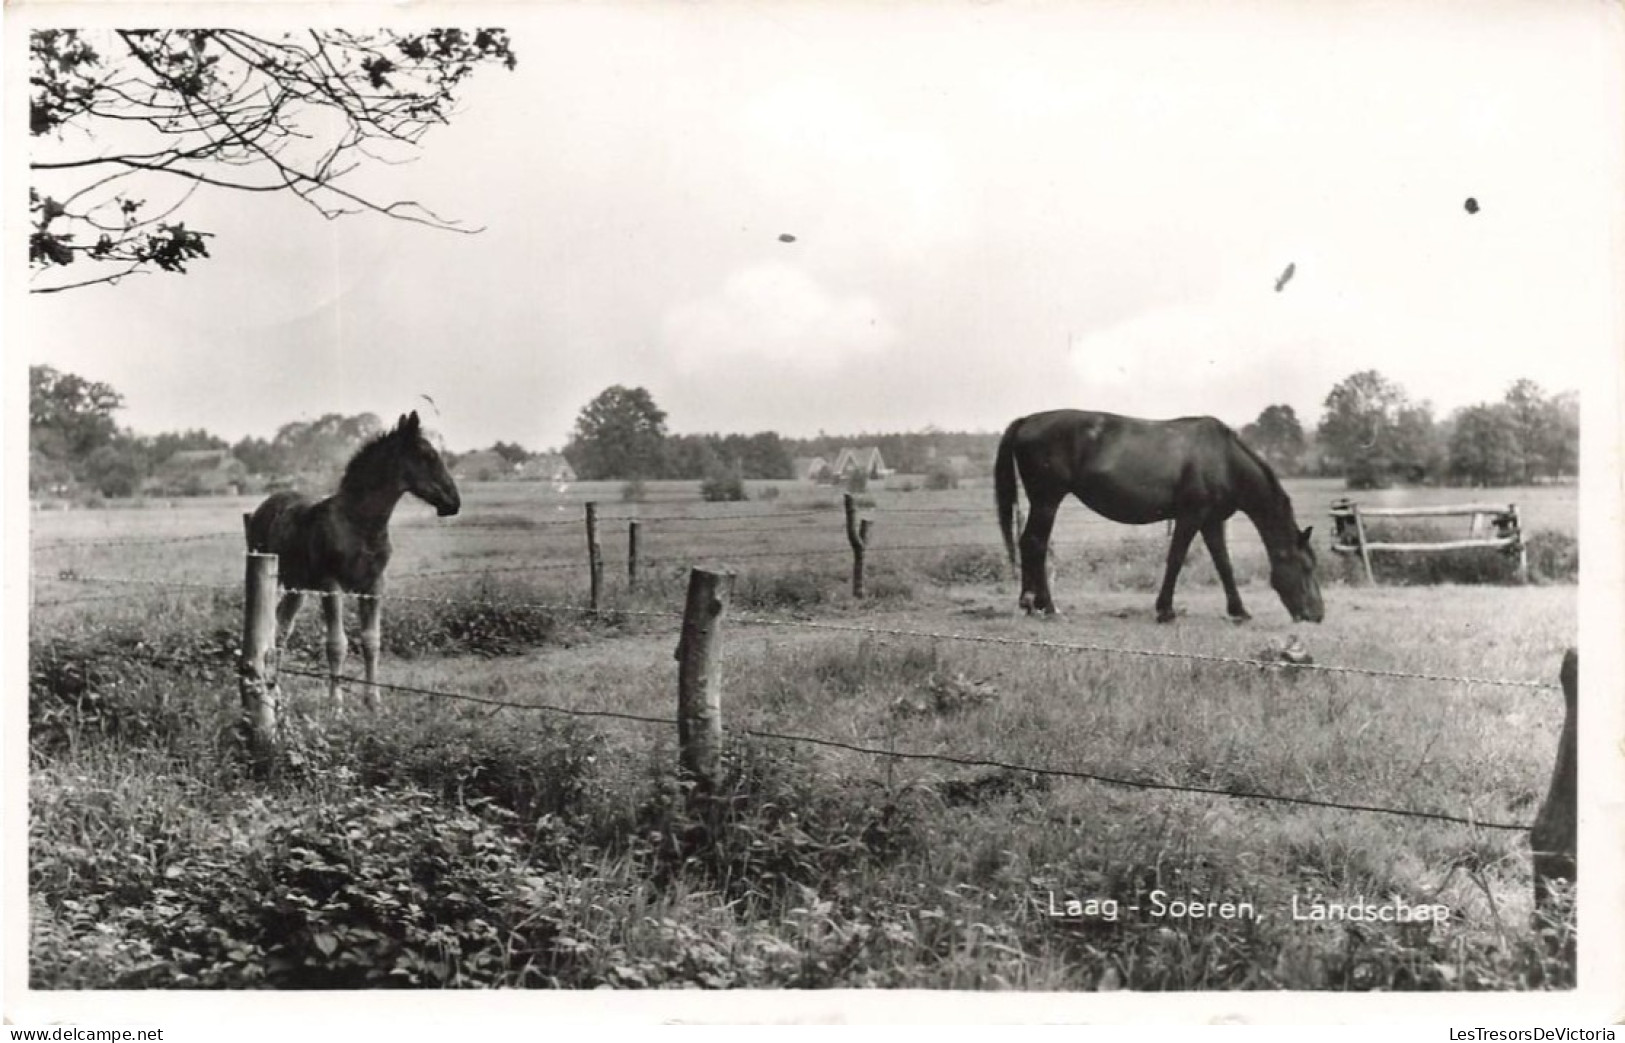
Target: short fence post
x=1523, y=548
x=256, y=673
x=857, y=534
x=1552, y=838
x=595, y=556
x=1359, y=534
x=699, y=676
x=632, y=530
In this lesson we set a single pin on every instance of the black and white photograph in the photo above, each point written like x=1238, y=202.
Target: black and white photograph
x=1040, y=511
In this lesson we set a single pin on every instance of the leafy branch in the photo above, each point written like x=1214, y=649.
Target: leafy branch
x=115, y=114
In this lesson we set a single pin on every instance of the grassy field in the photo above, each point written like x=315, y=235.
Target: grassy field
x=446, y=842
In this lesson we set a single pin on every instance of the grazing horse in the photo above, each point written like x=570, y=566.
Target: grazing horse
x=1193, y=470
x=341, y=544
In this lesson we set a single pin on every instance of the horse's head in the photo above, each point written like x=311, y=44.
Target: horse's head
x=422, y=469
x=1292, y=574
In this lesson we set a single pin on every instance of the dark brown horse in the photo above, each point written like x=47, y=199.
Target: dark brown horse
x=341, y=544
x=1193, y=470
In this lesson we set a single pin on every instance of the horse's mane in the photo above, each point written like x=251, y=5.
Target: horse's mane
x=1276, y=489
x=362, y=461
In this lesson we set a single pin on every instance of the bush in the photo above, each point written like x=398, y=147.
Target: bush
x=941, y=477
x=722, y=486
x=770, y=493
x=634, y=491
x=1554, y=557
x=857, y=482
x=969, y=565
x=385, y=888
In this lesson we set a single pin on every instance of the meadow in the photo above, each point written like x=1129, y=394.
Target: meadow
x=517, y=836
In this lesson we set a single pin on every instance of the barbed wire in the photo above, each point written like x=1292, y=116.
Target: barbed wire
x=977, y=762
x=134, y=541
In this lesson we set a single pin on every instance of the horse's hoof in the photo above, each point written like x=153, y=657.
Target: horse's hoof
x=1165, y=615
x=1239, y=618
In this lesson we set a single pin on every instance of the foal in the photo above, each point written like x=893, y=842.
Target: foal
x=340, y=545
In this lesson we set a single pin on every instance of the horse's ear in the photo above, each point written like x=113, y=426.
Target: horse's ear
x=412, y=420
x=400, y=422
x=1303, y=537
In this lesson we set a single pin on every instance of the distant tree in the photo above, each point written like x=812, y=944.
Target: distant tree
x=69, y=418
x=1278, y=437
x=161, y=447
x=1485, y=446
x=74, y=412
x=128, y=123
x=619, y=434
x=258, y=456
x=1559, y=444
x=1374, y=435
x=1548, y=429
x=319, y=449
x=116, y=469
x=692, y=456
x=512, y=452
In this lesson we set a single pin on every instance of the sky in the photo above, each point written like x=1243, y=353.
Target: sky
x=997, y=208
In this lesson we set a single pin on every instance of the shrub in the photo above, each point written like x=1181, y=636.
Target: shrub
x=634, y=491
x=797, y=590
x=969, y=565
x=1554, y=557
x=770, y=493
x=941, y=477
x=722, y=486
x=857, y=482
x=495, y=625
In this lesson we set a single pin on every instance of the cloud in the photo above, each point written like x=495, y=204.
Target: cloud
x=775, y=313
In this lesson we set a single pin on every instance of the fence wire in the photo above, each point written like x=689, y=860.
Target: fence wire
x=939, y=758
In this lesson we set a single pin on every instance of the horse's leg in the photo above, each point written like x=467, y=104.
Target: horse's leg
x=333, y=615
x=1213, y=536
x=1178, y=546
x=1035, y=592
x=287, y=611
x=372, y=610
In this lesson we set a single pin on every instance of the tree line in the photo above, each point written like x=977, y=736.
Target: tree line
x=1371, y=433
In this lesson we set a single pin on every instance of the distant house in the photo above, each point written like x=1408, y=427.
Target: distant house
x=199, y=472
x=546, y=467
x=866, y=460
x=810, y=468
x=482, y=465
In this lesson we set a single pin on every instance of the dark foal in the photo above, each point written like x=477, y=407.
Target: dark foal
x=340, y=545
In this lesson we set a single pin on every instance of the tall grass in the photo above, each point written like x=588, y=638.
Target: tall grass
x=439, y=843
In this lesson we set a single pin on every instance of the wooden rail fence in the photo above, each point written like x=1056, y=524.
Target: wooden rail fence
x=1350, y=537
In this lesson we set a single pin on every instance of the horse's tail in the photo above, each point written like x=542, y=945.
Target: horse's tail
x=1004, y=487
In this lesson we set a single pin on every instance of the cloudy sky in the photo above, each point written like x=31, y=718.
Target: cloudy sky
x=997, y=208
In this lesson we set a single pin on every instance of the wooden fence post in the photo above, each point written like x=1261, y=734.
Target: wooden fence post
x=699, y=676
x=857, y=534
x=595, y=556
x=1523, y=548
x=633, y=528
x=256, y=672
x=1552, y=838
x=1365, y=553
